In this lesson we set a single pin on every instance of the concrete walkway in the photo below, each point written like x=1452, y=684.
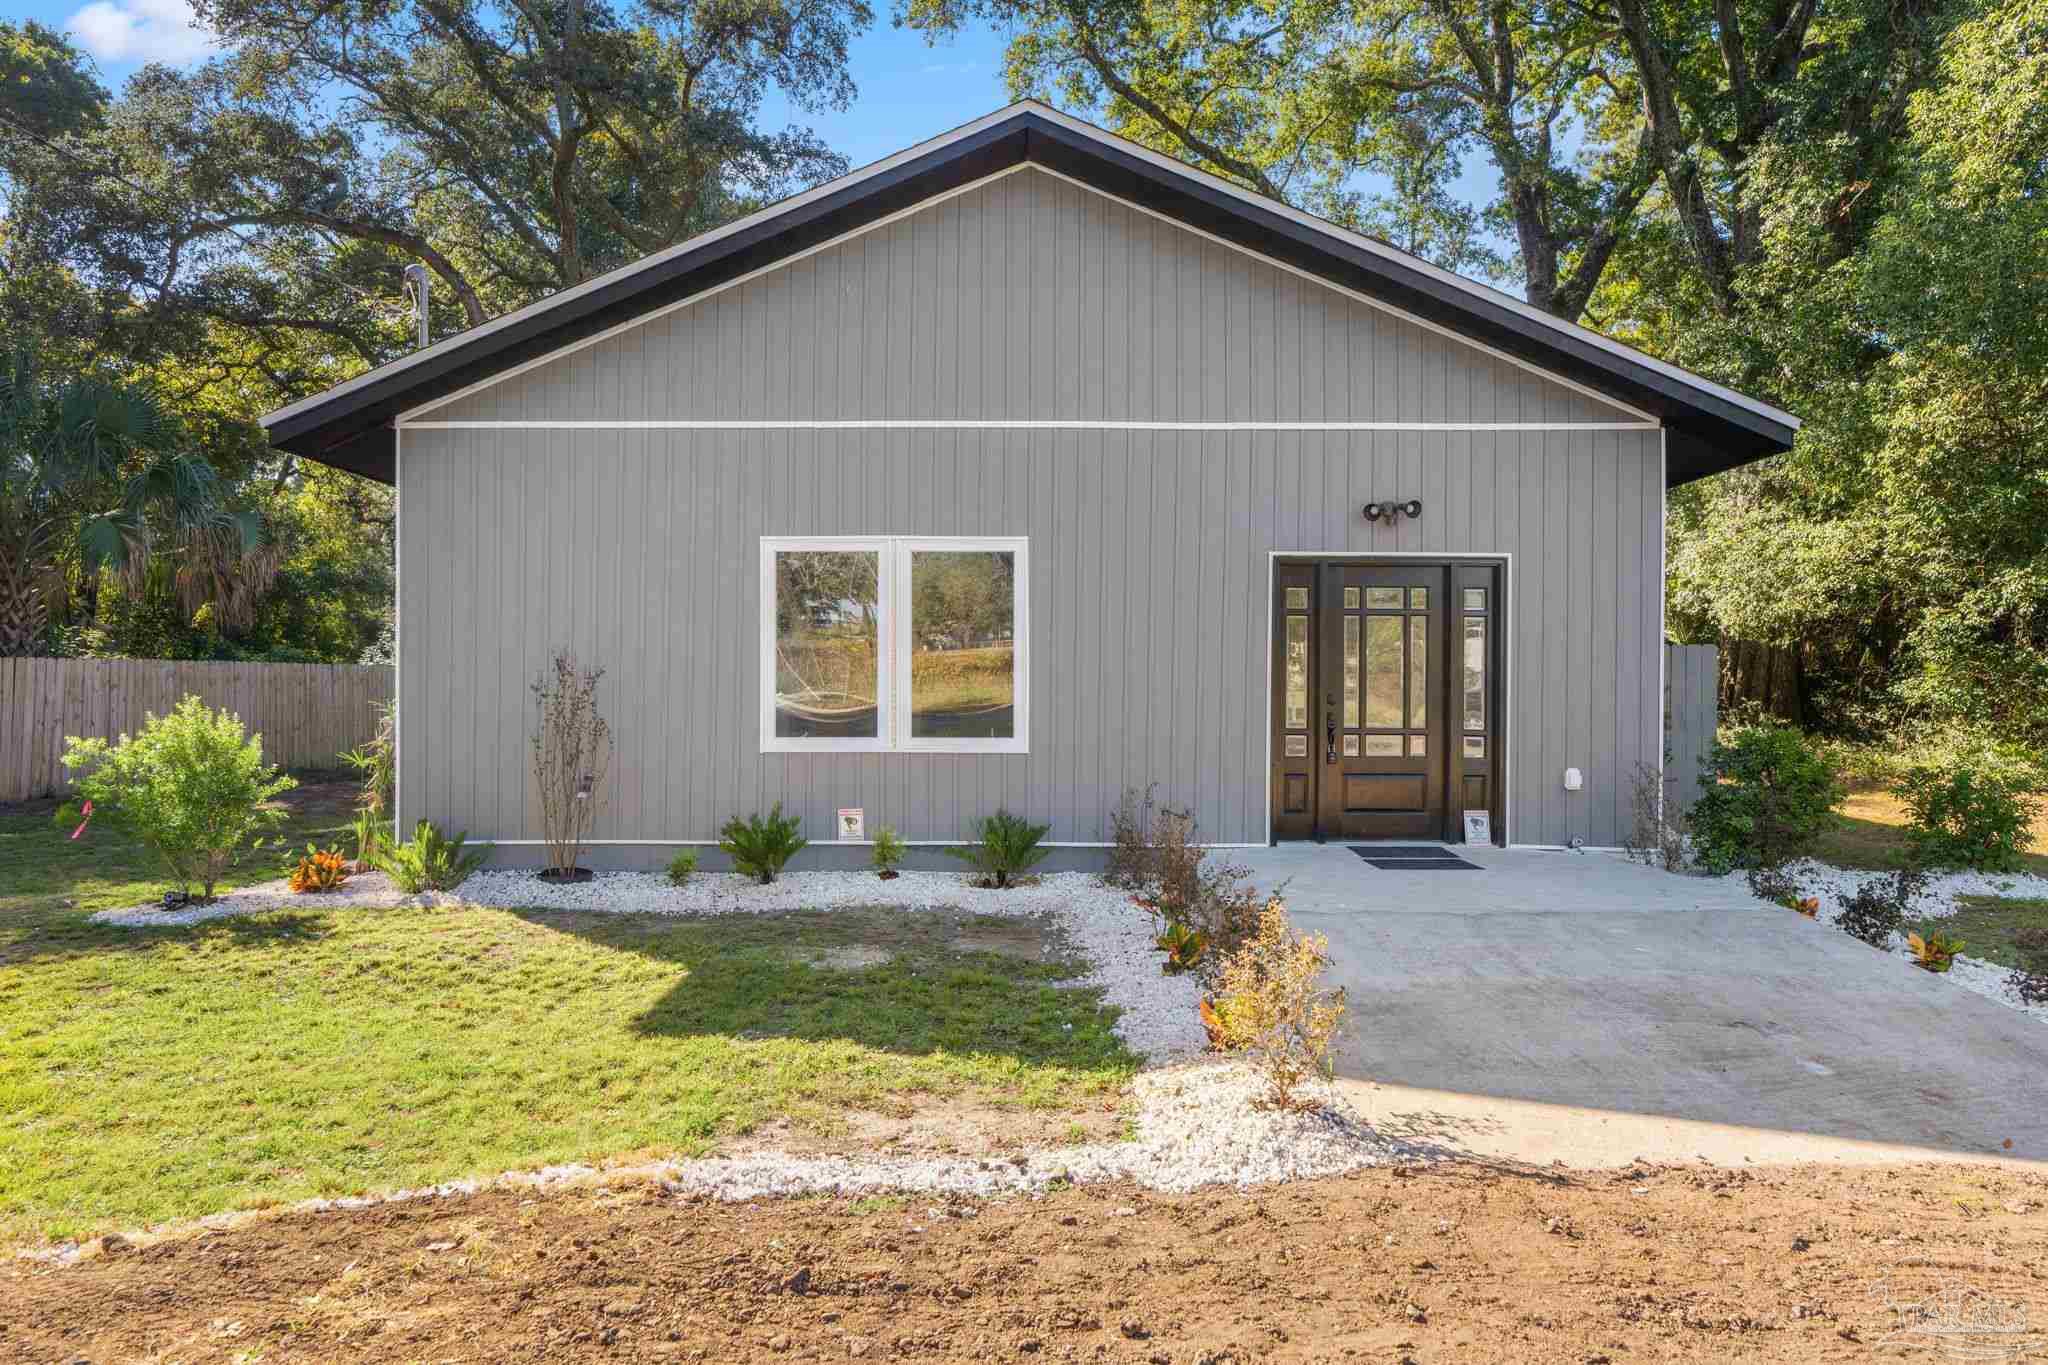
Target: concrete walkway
x=1581, y=981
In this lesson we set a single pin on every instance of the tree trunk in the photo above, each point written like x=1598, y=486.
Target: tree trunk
x=1769, y=677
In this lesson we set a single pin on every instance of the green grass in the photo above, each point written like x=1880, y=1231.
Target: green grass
x=1987, y=924
x=163, y=1073
x=1872, y=833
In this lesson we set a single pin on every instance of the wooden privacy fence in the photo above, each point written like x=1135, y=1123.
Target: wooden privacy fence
x=1692, y=683
x=306, y=713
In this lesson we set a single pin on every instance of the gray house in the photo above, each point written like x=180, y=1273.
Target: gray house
x=1020, y=468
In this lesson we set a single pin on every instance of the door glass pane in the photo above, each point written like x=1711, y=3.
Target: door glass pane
x=1475, y=746
x=963, y=637
x=1351, y=746
x=1384, y=669
x=1297, y=746
x=1475, y=673
x=1475, y=599
x=1351, y=599
x=1418, y=672
x=1418, y=746
x=1383, y=599
x=1297, y=673
x=1383, y=746
x=1418, y=599
x=1351, y=672
x=826, y=660
x=1297, y=599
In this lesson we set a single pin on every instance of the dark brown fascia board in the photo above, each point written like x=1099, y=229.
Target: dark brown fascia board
x=1708, y=433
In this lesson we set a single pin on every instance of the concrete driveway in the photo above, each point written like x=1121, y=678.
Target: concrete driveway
x=1582, y=980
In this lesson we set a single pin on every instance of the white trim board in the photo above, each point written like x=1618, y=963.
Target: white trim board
x=992, y=424
x=1506, y=560
x=410, y=415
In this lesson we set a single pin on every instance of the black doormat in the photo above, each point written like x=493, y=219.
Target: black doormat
x=1411, y=858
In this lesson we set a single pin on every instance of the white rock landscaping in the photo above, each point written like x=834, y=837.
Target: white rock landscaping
x=1197, y=1122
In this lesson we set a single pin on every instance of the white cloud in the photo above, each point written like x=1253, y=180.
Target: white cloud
x=121, y=31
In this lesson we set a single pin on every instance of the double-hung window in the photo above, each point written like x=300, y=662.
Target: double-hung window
x=875, y=643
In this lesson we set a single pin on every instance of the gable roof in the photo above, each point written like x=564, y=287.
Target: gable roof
x=1709, y=428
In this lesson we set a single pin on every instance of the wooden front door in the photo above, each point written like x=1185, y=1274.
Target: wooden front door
x=1385, y=718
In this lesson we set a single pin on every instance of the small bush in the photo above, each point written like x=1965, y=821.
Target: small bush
x=888, y=852
x=572, y=753
x=682, y=867
x=1964, y=817
x=1656, y=836
x=1877, y=909
x=1216, y=899
x=430, y=861
x=320, y=869
x=1936, y=952
x=377, y=763
x=1269, y=1004
x=2029, y=980
x=370, y=830
x=1183, y=947
x=1130, y=841
x=1765, y=797
x=761, y=845
x=1007, y=845
x=192, y=786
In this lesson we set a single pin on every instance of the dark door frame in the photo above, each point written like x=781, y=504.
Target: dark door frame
x=1498, y=693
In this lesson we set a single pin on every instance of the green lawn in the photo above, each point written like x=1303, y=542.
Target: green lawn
x=1872, y=833
x=168, y=1073
x=1986, y=925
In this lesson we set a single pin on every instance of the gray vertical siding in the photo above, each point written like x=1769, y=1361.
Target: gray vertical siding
x=1029, y=298
x=1150, y=555
x=1023, y=299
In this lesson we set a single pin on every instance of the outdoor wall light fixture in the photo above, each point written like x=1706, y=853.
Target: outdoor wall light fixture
x=1392, y=512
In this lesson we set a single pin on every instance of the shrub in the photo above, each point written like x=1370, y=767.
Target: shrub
x=1183, y=947
x=1765, y=797
x=191, y=786
x=1656, y=836
x=572, y=752
x=1936, y=952
x=370, y=830
x=320, y=869
x=682, y=867
x=761, y=844
x=1130, y=841
x=2029, y=980
x=377, y=762
x=1006, y=846
x=1269, y=1004
x=430, y=861
x=1877, y=909
x=889, y=851
x=1215, y=899
x=1964, y=817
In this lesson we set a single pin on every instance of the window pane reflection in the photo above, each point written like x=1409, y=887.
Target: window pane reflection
x=963, y=637
x=826, y=659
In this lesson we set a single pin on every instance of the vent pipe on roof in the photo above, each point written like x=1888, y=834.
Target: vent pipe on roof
x=416, y=293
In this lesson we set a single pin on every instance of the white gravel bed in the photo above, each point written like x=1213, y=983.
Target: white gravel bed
x=362, y=891
x=1834, y=885
x=1975, y=974
x=1197, y=1125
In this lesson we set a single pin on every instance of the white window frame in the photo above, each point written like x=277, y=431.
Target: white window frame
x=895, y=644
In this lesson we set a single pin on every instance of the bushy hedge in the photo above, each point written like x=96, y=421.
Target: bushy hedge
x=1765, y=797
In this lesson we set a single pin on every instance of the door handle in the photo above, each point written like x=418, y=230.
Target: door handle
x=1330, y=727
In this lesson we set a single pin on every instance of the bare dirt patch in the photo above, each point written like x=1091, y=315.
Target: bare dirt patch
x=1454, y=1263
